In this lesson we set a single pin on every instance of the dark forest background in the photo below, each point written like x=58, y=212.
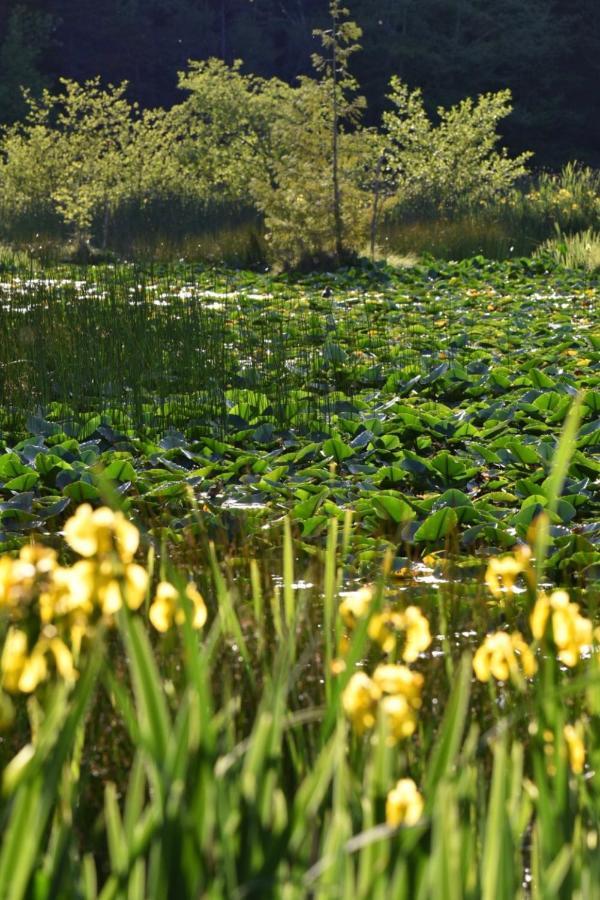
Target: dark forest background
x=547, y=52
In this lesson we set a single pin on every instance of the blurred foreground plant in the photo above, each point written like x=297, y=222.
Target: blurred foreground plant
x=245, y=778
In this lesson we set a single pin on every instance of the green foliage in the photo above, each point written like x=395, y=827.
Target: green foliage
x=295, y=156
x=269, y=144
x=577, y=251
x=225, y=779
x=302, y=217
x=224, y=127
x=455, y=163
x=73, y=149
x=438, y=395
x=421, y=419
x=339, y=43
x=568, y=201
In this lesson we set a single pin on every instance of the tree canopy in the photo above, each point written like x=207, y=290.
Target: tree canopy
x=547, y=53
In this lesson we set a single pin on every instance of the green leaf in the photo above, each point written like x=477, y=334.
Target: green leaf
x=394, y=508
x=81, y=491
x=437, y=526
x=150, y=699
x=11, y=466
x=23, y=482
x=120, y=470
x=337, y=448
x=45, y=463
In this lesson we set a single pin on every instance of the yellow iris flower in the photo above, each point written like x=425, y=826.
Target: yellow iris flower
x=404, y=804
x=24, y=671
x=166, y=608
x=503, y=571
x=571, y=631
x=573, y=735
x=359, y=700
x=385, y=627
x=503, y=655
x=101, y=531
x=396, y=679
x=355, y=605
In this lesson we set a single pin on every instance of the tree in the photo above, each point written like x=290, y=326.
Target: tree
x=452, y=163
x=304, y=225
x=339, y=42
x=73, y=146
x=223, y=130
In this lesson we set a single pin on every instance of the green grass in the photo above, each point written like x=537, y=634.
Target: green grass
x=577, y=251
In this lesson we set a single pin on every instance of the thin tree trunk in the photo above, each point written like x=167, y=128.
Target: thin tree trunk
x=105, y=226
x=374, y=218
x=337, y=202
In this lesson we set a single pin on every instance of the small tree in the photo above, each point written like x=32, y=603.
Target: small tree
x=223, y=130
x=270, y=144
x=339, y=43
x=295, y=194
x=455, y=162
x=72, y=145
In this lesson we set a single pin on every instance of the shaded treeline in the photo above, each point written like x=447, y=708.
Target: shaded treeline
x=546, y=52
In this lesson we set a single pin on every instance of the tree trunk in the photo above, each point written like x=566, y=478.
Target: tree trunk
x=337, y=201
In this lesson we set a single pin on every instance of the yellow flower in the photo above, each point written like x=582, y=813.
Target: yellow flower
x=338, y=666
x=14, y=657
x=198, y=606
x=395, y=679
x=98, y=532
x=135, y=584
x=360, y=701
x=573, y=735
x=524, y=655
x=382, y=629
x=90, y=583
x=404, y=804
x=23, y=672
x=418, y=636
x=66, y=595
x=539, y=616
x=399, y=717
x=35, y=670
x=385, y=627
x=166, y=608
x=571, y=631
x=502, y=655
x=16, y=582
x=355, y=605
x=42, y=558
x=503, y=571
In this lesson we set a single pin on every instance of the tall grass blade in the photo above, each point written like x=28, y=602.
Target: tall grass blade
x=150, y=699
x=558, y=473
x=445, y=750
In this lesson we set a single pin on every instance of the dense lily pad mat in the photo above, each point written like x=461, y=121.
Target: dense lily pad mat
x=428, y=401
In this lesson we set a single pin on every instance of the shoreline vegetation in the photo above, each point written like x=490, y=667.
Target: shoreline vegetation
x=253, y=171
